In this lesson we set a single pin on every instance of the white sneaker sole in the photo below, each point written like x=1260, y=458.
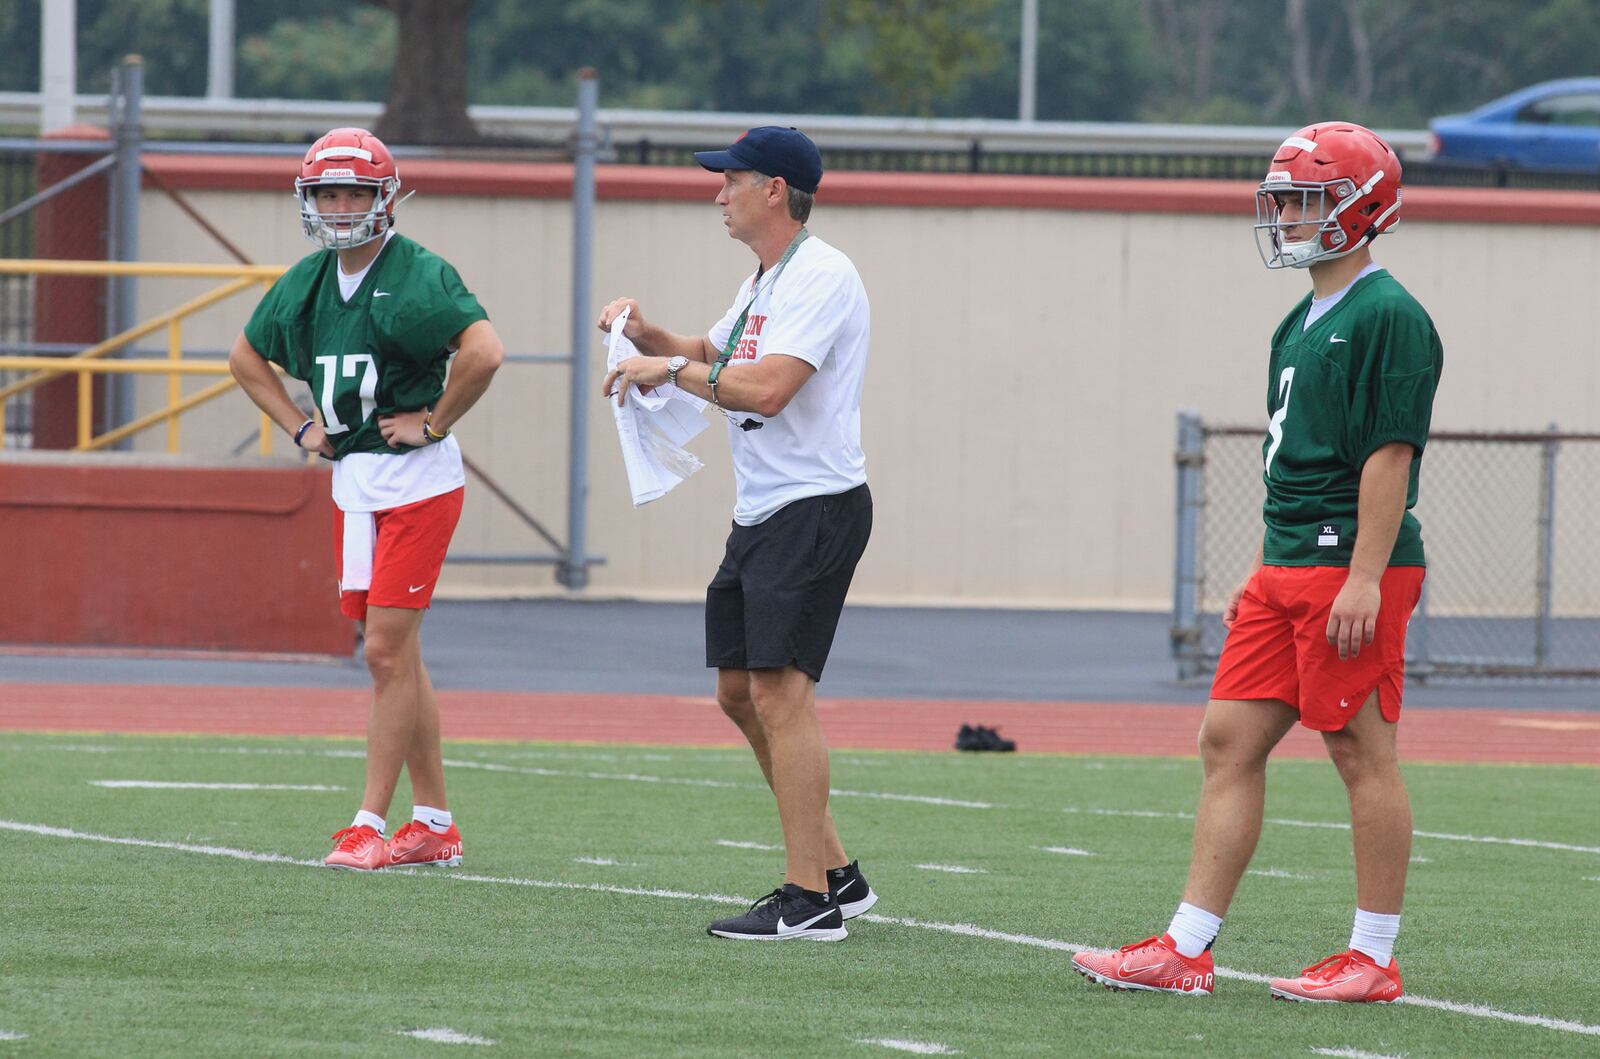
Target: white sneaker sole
x=851, y=909
x=828, y=934
x=453, y=862
x=1280, y=994
x=1117, y=983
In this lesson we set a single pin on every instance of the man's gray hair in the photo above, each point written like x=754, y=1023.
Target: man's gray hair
x=800, y=202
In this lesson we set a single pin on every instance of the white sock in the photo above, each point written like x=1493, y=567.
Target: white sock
x=438, y=820
x=372, y=820
x=1374, y=935
x=1193, y=930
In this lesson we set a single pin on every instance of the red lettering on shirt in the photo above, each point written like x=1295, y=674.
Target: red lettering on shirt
x=754, y=326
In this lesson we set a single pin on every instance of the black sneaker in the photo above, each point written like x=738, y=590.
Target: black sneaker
x=786, y=914
x=981, y=738
x=850, y=890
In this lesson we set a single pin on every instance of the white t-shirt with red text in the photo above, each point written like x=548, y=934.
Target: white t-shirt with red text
x=816, y=311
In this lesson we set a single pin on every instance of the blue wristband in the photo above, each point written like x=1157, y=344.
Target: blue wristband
x=298, y=434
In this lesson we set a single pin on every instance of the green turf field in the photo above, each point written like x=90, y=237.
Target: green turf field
x=126, y=949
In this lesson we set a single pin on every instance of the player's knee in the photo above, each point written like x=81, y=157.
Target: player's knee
x=386, y=655
x=1359, y=763
x=737, y=705
x=1226, y=745
x=774, y=704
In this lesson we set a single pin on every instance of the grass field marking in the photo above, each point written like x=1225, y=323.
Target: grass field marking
x=162, y=785
x=954, y=869
x=442, y=1035
x=1331, y=825
x=1351, y=1053
x=1277, y=873
x=1067, y=851
x=917, y=1047
x=731, y=844
x=9, y=1035
x=964, y=929
x=604, y=862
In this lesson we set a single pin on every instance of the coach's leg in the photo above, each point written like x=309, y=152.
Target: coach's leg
x=1380, y=812
x=734, y=696
x=1235, y=739
x=798, y=763
x=394, y=658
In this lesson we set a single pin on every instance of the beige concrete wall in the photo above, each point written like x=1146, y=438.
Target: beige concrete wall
x=1026, y=369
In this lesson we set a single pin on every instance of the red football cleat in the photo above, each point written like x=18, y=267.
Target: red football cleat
x=416, y=843
x=358, y=848
x=1153, y=964
x=1344, y=978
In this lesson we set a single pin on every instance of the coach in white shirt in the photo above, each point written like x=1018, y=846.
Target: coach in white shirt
x=785, y=365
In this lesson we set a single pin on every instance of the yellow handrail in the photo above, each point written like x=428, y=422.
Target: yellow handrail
x=88, y=362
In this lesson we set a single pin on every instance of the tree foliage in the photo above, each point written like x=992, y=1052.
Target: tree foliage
x=1384, y=62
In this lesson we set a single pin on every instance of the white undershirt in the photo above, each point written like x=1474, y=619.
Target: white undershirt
x=1320, y=306
x=348, y=284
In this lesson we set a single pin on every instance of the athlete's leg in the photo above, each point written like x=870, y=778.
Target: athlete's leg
x=394, y=658
x=425, y=759
x=1235, y=739
x=1380, y=812
x=785, y=704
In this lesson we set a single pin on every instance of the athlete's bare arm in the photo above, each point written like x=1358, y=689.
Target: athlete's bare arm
x=1380, y=506
x=258, y=379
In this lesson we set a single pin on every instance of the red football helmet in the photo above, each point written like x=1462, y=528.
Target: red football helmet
x=1335, y=175
x=345, y=157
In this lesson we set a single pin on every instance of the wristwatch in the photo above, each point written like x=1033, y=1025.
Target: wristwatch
x=675, y=365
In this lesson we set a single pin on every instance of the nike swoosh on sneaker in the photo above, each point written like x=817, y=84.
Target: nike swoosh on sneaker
x=1317, y=986
x=790, y=928
x=840, y=892
x=1125, y=971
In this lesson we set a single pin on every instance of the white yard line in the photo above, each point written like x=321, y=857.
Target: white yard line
x=1277, y=873
x=604, y=862
x=158, y=785
x=1067, y=851
x=954, y=869
x=921, y=799
x=441, y=1035
x=916, y=1047
x=963, y=929
x=731, y=844
x=8, y=1035
x=1351, y=1053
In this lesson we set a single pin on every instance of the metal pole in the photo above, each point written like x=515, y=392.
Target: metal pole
x=58, y=64
x=1547, y=547
x=574, y=571
x=1029, y=67
x=219, y=69
x=126, y=134
x=1186, y=573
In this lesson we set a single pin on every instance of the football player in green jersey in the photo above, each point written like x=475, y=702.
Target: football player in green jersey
x=1316, y=633
x=371, y=321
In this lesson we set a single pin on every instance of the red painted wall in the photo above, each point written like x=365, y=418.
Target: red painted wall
x=107, y=552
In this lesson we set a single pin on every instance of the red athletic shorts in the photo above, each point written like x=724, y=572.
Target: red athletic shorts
x=407, y=555
x=1278, y=646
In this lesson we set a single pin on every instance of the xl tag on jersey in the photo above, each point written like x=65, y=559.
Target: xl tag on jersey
x=1328, y=535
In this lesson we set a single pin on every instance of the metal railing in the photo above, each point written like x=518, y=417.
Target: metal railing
x=1513, y=585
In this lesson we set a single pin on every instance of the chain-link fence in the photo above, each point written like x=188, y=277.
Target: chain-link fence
x=1513, y=586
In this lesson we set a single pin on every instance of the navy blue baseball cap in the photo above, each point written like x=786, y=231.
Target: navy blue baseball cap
x=773, y=150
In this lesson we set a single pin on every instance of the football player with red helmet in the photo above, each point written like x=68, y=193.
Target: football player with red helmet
x=395, y=350
x=1316, y=632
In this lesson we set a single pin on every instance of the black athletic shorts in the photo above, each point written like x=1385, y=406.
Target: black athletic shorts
x=777, y=595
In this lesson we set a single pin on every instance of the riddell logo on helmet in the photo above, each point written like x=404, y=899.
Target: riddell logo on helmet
x=338, y=173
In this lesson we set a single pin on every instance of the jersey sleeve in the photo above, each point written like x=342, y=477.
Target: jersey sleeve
x=268, y=335
x=435, y=308
x=809, y=315
x=1400, y=382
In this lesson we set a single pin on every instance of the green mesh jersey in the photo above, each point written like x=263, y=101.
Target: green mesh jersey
x=383, y=351
x=1359, y=378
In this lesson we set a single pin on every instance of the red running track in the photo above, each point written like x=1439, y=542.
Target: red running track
x=1433, y=734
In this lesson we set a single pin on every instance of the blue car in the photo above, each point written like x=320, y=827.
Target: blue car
x=1554, y=125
